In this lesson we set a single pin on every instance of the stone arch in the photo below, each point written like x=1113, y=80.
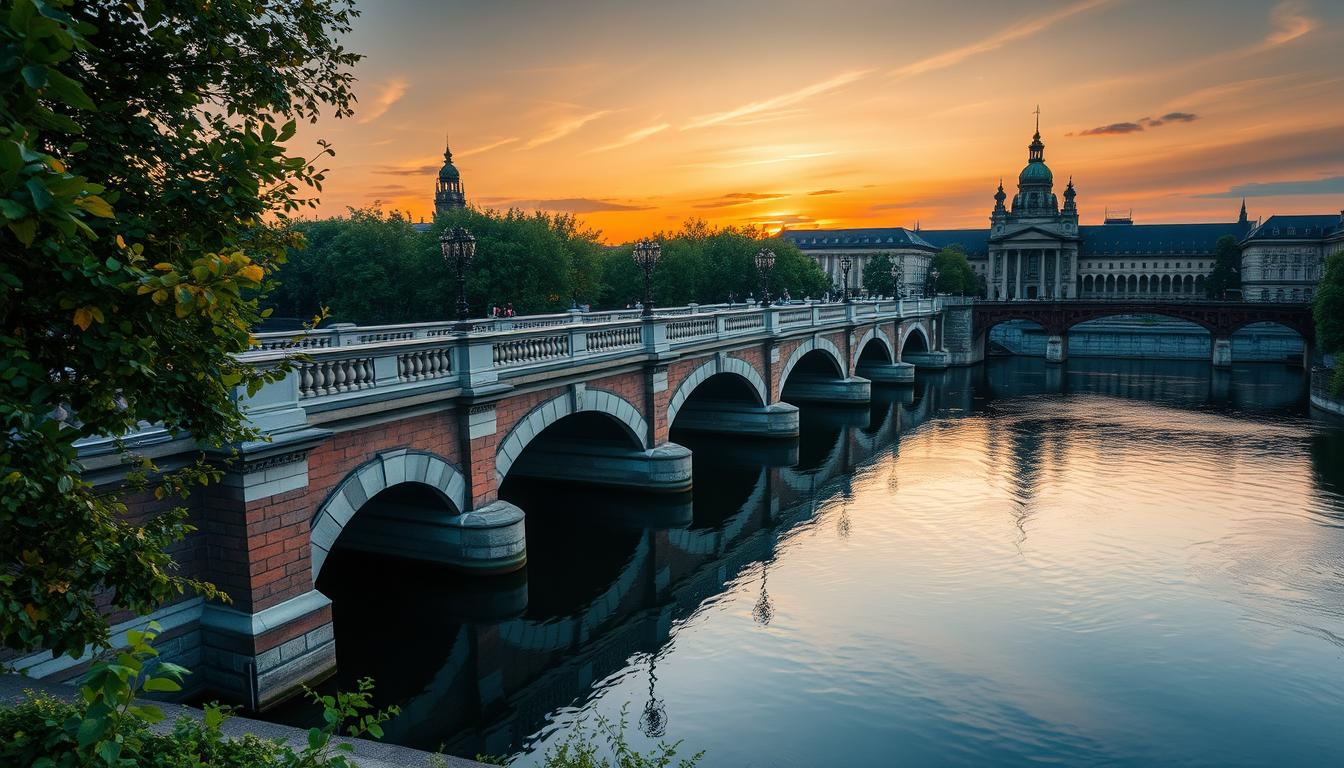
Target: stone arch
x=813, y=344
x=716, y=365
x=874, y=333
x=557, y=408
x=908, y=332
x=386, y=470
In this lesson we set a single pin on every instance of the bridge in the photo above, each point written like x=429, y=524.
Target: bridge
x=1220, y=318
x=434, y=420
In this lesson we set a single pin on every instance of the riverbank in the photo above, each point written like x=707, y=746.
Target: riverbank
x=369, y=754
x=1321, y=398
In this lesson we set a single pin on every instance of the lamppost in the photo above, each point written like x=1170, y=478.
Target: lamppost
x=898, y=277
x=646, y=256
x=459, y=247
x=845, y=264
x=765, y=261
x=933, y=282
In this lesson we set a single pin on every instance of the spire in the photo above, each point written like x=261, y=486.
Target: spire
x=1038, y=121
x=1069, y=194
x=1242, y=218
x=999, y=197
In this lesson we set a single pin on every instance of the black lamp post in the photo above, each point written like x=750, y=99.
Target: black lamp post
x=845, y=264
x=646, y=256
x=933, y=282
x=459, y=247
x=765, y=261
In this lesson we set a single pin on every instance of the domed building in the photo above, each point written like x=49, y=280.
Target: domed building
x=448, y=194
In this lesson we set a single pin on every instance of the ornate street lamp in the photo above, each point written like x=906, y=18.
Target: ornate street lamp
x=845, y=264
x=933, y=282
x=765, y=261
x=646, y=256
x=459, y=248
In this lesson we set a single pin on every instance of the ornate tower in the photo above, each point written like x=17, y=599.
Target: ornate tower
x=1070, y=201
x=448, y=194
x=1035, y=185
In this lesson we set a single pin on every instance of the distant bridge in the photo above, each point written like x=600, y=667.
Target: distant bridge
x=1220, y=318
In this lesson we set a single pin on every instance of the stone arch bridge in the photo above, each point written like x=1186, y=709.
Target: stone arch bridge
x=432, y=420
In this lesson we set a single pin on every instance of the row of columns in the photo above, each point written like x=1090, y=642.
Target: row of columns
x=999, y=261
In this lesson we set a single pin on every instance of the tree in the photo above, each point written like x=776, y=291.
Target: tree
x=1328, y=310
x=142, y=146
x=877, y=277
x=1226, y=274
x=955, y=275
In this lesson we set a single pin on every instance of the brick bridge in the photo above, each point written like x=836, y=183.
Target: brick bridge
x=433, y=422
x=1220, y=318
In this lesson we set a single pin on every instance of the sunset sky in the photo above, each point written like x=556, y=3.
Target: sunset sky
x=638, y=115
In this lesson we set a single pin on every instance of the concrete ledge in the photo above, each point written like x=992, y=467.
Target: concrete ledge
x=930, y=360
x=666, y=467
x=778, y=420
x=1328, y=404
x=491, y=539
x=853, y=390
x=887, y=373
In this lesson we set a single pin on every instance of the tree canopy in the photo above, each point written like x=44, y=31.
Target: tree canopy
x=1328, y=310
x=142, y=146
x=1226, y=274
x=955, y=275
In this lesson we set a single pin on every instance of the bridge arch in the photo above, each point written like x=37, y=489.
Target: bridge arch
x=876, y=339
x=725, y=365
x=557, y=408
x=819, y=344
x=914, y=339
x=386, y=470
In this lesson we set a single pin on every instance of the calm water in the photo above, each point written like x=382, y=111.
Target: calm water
x=1114, y=563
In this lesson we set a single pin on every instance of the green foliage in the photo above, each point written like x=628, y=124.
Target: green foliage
x=955, y=275
x=109, y=725
x=371, y=267
x=606, y=746
x=877, y=275
x=141, y=148
x=1328, y=306
x=1226, y=274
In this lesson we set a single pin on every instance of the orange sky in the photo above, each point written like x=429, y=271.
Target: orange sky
x=637, y=116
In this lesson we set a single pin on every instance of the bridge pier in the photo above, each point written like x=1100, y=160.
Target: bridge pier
x=1057, y=348
x=887, y=373
x=777, y=420
x=663, y=468
x=853, y=390
x=935, y=360
x=1222, y=352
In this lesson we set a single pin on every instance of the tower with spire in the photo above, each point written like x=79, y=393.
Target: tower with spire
x=448, y=193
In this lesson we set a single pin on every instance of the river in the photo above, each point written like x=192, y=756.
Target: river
x=1113, y=562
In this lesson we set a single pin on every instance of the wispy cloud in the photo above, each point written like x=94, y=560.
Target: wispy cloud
x=632, y=137
x=739, y=198
x=995, y=41
x=563, y=129
x=1333, y=185
x=389, y=93
x=1120, y=129
x=1290, y=22
x=488, y=147
x=825, y=192
x=576, y=205
x=773, y=103
x=416, y=170
x=762, y=161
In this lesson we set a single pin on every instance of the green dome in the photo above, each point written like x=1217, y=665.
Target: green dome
x=1036, y=172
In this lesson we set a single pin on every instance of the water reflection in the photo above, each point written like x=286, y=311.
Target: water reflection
x=1112, y=561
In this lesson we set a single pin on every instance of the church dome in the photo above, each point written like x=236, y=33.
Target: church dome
x=449, y=171
x=1036, y=172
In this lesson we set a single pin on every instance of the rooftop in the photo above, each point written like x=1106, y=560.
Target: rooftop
x=873, y=238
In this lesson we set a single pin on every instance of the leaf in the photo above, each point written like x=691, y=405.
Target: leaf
x=91, y=730
x=83, y=318
x=42, y=198
x=161, y=685
x=96, y=206
x=35, y=75
x=24, y=230
x=110, y=751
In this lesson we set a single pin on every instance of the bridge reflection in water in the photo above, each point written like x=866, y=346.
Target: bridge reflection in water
x=483, y=665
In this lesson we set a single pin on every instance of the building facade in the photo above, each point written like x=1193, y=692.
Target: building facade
x=1035, y=248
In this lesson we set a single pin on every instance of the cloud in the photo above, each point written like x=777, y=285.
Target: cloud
x=576, y=205
x=777, y=102
x=781, y=218
x=1290, y=22
x=1120, y=129
x=764, y=161
x=419, y=170
x=487, y=147
x=997, y=40
x=739, y=198
x=1333, y=185
x=632, y=137
x=825, y=192
x=563, y=129
x=389, y=93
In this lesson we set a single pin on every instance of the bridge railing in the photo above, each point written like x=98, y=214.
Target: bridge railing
x=336, y=365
